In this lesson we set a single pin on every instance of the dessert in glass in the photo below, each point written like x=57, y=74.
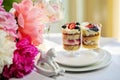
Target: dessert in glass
x=81, y=45
x=71, y=34
x=76, y=35
x=91, y=33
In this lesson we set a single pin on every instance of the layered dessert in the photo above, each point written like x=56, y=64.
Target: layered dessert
x=91, y=35
x=71, y=36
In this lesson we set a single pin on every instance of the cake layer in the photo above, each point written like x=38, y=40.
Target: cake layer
x=71, y=47
x=90, y=46
x=71, y=42
x=91, y=41
x=71, y=36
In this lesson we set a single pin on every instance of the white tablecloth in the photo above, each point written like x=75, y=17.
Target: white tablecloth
x=111, y=72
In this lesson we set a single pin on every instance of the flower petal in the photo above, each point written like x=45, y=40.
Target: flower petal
x=21, y=20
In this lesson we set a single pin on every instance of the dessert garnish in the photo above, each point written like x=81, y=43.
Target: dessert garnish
x=71, y=26
x=77, y=27
x=77, y=23
x=92, y=27
x=64, y=26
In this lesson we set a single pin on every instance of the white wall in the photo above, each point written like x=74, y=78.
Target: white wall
x=116, y=18
x=80, y=10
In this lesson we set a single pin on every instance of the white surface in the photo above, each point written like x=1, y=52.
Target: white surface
x=34, y=76
x=80, y=58
x=106, y=60
x=112, y=72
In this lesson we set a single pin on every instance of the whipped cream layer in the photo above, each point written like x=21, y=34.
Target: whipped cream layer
x=70, y=31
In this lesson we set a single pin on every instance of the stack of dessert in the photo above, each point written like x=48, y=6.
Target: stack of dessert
x=86, y=34
x=90, y=35
x=71, y=36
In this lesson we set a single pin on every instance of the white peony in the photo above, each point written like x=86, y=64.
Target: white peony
x=7, y=47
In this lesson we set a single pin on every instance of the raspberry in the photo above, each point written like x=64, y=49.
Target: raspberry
x=71, y=26
x=89, y=26
x=71, y=41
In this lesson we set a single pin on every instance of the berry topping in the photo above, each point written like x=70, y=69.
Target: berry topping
x=89, y=26
x=78, y=40
x=77, y=27
x=64, y=26
x=77, y=23
x=71, y=41
x=71, y=26
x=94, y=28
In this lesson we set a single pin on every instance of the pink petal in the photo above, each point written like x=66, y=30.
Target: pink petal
x=16, y=7
x=21, y=20
x=1, y=1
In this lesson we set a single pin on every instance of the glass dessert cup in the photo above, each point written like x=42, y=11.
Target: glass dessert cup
x=71, y=37
x=71, y=43
x=77, y=49
x=91, y=34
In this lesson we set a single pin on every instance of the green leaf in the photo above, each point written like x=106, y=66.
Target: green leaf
x=8, y=4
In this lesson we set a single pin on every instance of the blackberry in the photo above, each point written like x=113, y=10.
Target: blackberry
x=77, y=23
x=94, y=28
x=64, y=26
x=77, y=27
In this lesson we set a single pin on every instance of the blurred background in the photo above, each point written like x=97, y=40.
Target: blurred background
x=106, y=12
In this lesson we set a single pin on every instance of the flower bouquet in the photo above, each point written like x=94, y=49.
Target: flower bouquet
x=53, y=9
x=21, y=32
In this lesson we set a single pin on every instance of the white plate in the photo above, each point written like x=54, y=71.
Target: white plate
x=105, y=61
x=85, y=58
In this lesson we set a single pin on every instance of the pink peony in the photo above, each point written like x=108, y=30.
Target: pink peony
x=23, y=61
x=1, y=1
x=30, y=20
x=8, y=22
x=1, y=9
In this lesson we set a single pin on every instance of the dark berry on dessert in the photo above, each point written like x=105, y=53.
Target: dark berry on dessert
x=77, y=27
x=71, y=26
x=94, y=28
x=64, y=26
x=77, y=23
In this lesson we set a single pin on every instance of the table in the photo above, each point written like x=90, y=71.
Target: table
x=111, y=72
